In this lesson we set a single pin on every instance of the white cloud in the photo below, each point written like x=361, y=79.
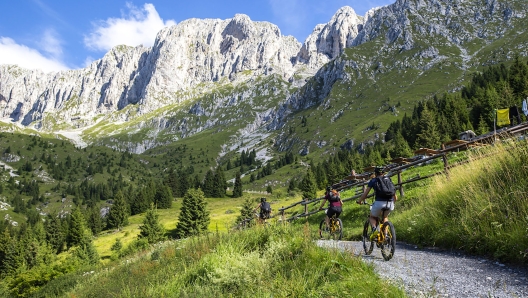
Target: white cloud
x=51, y=44
x=26, y=57
x=140, y=26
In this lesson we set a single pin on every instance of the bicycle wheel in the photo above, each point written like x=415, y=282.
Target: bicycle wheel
x=368, y=245
x=389, y=244
x=323, y=230
x=337, y=229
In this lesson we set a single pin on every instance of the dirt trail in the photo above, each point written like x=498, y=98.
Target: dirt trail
x=432, y=272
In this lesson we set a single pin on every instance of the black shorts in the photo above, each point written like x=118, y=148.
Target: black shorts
x=333, y=210
x=264, y=215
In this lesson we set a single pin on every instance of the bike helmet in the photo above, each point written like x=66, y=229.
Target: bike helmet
x=263, y=199
x=379, y=170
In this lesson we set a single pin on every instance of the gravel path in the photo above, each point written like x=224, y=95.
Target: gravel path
x=432, y=272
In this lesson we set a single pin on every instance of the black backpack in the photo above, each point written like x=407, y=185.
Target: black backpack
x=384, y=188
x=265, y=207
x=333, y=196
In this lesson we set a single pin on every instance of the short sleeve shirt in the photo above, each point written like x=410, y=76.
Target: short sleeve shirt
x=372, y=184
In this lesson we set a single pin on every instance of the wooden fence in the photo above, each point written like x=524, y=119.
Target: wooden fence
x=423, y=155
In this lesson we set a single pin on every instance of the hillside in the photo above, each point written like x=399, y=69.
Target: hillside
x=348, y=80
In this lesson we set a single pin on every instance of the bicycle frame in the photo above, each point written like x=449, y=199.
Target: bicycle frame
x=386, y=238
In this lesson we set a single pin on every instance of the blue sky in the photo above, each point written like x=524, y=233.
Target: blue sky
x=56, y=35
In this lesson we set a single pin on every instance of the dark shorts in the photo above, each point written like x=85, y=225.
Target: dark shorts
x=333, y=210
x=264, y=215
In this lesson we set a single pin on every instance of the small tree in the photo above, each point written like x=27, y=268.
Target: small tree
x=269, y=189
x=151, y=229
x=246, y=212
x=194, y=217
x=118, y=214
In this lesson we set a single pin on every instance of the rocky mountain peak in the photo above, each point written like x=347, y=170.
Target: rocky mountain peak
x=240, y=27
x=327, y=41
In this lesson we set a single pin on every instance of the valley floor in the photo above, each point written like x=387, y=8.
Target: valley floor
x=431, y=272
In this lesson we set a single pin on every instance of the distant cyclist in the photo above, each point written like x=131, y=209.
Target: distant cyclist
x=335, y=205
x=265, y=210
x=385, y=197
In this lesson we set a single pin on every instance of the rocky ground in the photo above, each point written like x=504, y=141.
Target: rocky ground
x=431, y=272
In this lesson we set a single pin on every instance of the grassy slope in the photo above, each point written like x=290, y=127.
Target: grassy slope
x=281, y=261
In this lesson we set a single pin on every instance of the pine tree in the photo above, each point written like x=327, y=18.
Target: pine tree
x=219, y=185
x=401, y=148
x=246, y=212
x=208, y=184
x=194, y=217
x=237, y=187
x=86, y=251
x=163, y=197
x=151, y=229
x=54, y=232
x=482, y=127
x=308, y=185
x=269, y=189
x=291, y=185
x=183, y=185
x=428, y=136
x=77, y=228
x=94, y=220
x=118, y=214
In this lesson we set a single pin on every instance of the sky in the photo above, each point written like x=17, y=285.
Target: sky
x=53, y=35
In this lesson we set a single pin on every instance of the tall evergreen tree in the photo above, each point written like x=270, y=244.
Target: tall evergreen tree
x=401, y=148
x=208, y=184
x=94, y=220
x=194, y=217
x=291, y=185
x=118, y=214
x=77, y=227
x=151, y=229
x=163, y=197
x=428, y=136
x=237, y=187
x=140, y=201
x=308, y=185
x=219, y=185
x=55, y=234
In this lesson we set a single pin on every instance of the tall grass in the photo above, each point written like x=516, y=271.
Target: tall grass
x=276, y=261
x=480, y=207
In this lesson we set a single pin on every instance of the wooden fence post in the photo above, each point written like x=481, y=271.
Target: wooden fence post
x=400, y=184
x=444, y=158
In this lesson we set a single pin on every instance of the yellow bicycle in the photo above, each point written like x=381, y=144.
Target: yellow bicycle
x=333, y=231
x=385, y=240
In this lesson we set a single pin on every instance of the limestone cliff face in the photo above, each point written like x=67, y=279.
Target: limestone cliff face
x=196, y=57
x=184, y=56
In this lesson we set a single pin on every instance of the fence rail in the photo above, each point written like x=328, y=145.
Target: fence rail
x=396, y=169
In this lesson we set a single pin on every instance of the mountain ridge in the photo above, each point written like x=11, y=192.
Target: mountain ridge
x=225, y=60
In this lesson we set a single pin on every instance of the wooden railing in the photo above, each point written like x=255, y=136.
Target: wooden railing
x=396, y=168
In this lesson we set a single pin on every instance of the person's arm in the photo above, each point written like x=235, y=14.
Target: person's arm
x=364, y=196
x=258, y=206
x=322, y=205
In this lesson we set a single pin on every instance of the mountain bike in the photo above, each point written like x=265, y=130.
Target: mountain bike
x=333, y=231
x=385, y=240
